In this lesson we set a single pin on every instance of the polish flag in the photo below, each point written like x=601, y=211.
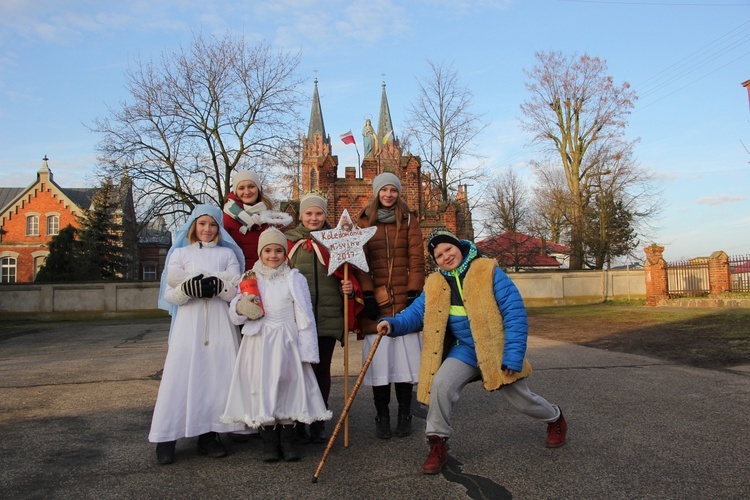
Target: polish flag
x=347, y=137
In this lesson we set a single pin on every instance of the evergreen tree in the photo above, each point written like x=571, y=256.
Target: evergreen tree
x=63, y=261
x=100, y=236
x=609, y=232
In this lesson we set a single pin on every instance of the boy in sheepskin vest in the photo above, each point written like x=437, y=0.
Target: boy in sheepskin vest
x=474, y=327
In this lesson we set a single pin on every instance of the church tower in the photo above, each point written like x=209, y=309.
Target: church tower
x=318, y=165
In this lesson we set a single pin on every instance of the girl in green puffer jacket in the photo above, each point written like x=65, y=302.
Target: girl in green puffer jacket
x=327, y=293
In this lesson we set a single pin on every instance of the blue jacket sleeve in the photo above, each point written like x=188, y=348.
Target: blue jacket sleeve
x=409, y=320
x=515, y=320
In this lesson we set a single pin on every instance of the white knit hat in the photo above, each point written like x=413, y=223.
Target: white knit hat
x=385, y=179
x=271, y=236
x=245, y=175
x=313, y=200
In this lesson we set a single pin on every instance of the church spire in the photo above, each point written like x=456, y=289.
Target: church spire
x=316, y=117
x=385, y=126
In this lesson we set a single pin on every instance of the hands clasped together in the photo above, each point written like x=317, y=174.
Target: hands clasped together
x=202, y=288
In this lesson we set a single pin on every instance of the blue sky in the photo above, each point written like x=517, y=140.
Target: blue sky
x=62, y=63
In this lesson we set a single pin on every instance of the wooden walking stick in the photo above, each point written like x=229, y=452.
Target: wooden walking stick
x=345, y=412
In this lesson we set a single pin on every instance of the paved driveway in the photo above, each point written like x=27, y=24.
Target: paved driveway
x=76, y=401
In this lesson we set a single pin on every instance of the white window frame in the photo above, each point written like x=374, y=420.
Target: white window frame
x=8, y=269
x=32, y=224
x=150, y=269
x=56, y=218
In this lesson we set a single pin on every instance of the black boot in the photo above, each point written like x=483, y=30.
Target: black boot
x=382, y=396
x=300, y=434
x=403, y=426
x=165, y=452
x=318, y=432
x=288, y=448
x=383, y=426
x=210, y=444
x=271, y=450
x=403, y=396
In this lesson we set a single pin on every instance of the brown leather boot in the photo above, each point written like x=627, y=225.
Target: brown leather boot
x=438, y=455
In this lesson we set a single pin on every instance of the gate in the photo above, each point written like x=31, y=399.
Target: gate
x=688, y=278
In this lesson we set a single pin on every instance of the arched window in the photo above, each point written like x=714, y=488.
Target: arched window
x=313, y=179
x=38, y=263
x=8, y=267
x=32, y=225
x=53, y=225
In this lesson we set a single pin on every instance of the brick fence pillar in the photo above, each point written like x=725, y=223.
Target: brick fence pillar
x=718, y=272
x=656, y=275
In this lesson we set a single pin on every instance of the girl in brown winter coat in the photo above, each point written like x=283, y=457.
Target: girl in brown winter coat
x=395, y=256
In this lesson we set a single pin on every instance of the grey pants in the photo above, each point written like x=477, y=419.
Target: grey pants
x=450, y=380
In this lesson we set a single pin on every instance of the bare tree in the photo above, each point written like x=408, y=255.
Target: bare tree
x=195, y=117
x=507, y=207
x=548, y=211
x=442, y=127
x=573, y=105
x=507, y=203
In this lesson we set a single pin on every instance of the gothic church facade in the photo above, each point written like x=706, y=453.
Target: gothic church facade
x=353, y=191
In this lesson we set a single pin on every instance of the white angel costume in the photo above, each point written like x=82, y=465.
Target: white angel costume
x=202, y=339
x=273, y=380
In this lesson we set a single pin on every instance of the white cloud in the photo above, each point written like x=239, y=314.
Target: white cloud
x=721, y=199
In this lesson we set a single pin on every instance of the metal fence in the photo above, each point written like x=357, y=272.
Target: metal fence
x=739, y=272
x=688, y=278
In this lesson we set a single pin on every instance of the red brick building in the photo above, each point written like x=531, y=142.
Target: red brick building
x=31, y=216
x=353, y=191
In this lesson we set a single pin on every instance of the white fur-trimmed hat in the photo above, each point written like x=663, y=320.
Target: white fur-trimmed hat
x=245, y=175
x=271, y=236
x=313, y=200
x=385, y=179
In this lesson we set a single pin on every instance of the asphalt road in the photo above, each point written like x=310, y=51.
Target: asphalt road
x=76, y=401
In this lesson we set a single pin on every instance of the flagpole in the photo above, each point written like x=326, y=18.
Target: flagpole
x=348, y=138
x=359, y=160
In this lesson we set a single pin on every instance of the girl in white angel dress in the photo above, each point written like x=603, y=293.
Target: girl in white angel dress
x=273, y=383
x=200, y=279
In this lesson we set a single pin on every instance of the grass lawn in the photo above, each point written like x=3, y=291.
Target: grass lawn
x=709, y=338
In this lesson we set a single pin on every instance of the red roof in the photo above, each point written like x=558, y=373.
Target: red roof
x=530, y=249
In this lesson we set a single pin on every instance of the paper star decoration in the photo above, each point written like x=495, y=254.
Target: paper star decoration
x=345, y=243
